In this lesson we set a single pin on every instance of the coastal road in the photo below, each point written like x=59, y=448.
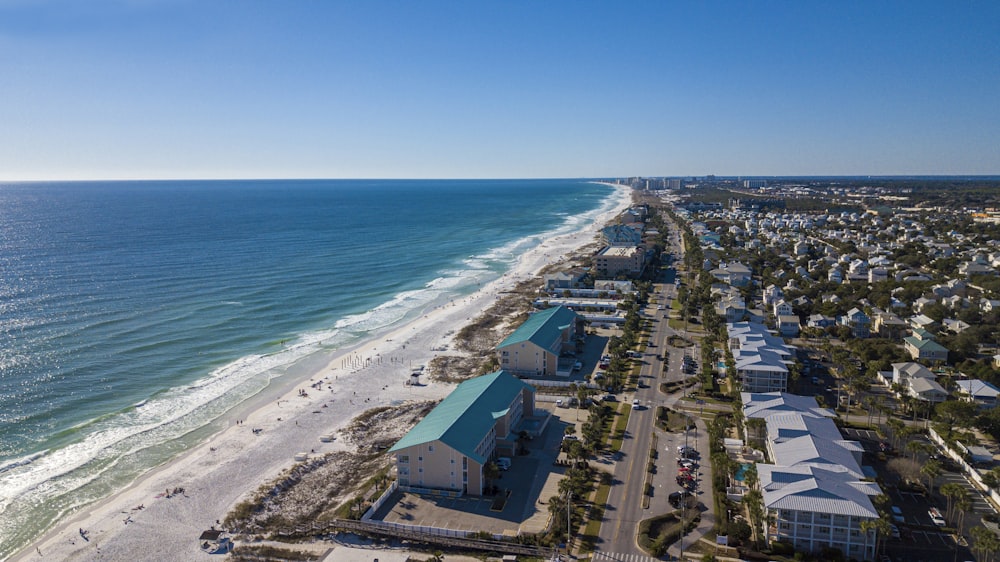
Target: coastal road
x=624, y=506
x=625, y=510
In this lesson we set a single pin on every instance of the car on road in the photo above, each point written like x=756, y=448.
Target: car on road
x=635, y=403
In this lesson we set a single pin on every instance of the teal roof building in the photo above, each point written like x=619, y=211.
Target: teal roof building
x=448, y=448
x=533, y=348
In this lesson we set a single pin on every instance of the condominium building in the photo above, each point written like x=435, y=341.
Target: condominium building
x=761, y=357
x=533, y=349
x=616, y=260
x=445, y=452
x=814, y=492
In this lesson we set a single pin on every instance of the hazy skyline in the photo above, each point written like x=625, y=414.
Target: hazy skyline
x=194, y=89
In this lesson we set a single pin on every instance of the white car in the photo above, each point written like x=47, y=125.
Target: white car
x=503, y=463
x=635, y=403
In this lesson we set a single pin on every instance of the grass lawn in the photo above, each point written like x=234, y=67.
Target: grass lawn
x=618, y=436
x=593, y=527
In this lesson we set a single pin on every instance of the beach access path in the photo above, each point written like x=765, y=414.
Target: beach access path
x=194, y=491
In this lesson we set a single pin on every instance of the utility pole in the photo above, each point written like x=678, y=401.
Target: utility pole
x=569, y=530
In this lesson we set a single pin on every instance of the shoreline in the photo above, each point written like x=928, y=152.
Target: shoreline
x=145, y=521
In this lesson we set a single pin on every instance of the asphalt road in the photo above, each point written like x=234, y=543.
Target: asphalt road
x=624, y=507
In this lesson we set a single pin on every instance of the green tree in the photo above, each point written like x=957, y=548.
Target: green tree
x=951, y=491
x=956, y=413
x=931, y=470
x=881, y=528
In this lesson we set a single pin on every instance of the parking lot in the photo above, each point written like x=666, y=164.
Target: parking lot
x=920, y=539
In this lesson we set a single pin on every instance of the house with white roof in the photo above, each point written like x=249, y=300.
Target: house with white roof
x=813, y=508
x=761, y=358
x=788, y=325
x=980, y=392
x=919, y=382
x=736, y=274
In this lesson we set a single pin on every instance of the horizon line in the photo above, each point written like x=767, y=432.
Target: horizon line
x=512, y=178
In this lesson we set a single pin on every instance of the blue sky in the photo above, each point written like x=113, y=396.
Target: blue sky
x=349, y=89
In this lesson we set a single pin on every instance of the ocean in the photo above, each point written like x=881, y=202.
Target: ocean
x=135, y=315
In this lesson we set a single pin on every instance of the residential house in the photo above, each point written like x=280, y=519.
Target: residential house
x=923, y=322
x=820, y=321
x=918, y=381
x=788, y=325
x=980, y=392
x=761, y=358
x=446, y=451
x=781, y=308
x=857, y=321
x=955, y=326
x=888, y=325
x=736, y=274
x=563, y=280
x=732, y=308
x=922, y=347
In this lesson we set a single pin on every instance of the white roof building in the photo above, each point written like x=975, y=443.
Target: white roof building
x=981, y=392
x=813, y=493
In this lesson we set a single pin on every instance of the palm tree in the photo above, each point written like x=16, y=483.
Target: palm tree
x=963, y=505
x=897, y=426
x=986, y=542
x=931, y=469
x=951, y=491
x=881, y=528
x=490, y=472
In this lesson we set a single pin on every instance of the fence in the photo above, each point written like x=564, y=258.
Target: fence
x=966, y=467
x=419, y=533
x=380, y=501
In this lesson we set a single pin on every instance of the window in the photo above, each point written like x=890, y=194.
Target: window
x=430, y=448
x=420, y=459
x=452, y=461
x=420, y=470
x=403, y=459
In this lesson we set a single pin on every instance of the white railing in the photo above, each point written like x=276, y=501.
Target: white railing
x=380, y=501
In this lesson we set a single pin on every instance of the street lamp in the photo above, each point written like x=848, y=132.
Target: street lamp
x=569, y=531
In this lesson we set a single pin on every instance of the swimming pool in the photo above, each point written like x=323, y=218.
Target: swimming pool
x=741, y=472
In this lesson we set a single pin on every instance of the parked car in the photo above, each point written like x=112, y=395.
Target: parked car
x=936, y=517
x=897, y=514
x=503, y=463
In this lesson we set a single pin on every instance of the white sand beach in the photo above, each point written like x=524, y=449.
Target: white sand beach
x=291, y=417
